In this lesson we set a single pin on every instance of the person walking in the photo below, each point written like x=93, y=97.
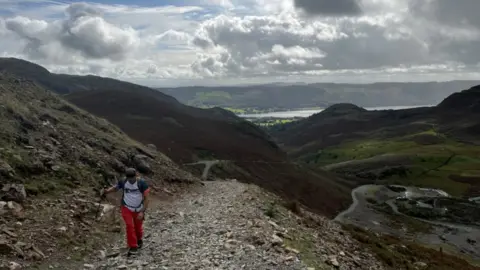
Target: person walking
x=135, y=202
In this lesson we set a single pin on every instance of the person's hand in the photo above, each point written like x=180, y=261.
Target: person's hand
x=103, y=193
x=141, y=216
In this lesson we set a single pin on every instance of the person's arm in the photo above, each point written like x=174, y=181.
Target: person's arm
x=146, y=198
x=118, y=186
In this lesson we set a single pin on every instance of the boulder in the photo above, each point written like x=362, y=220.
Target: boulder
x=332, y=260
x=141, y=164
x=14, y=266
x=13, y=192
x=152, y=147
x=5, y=169
x=5, y=247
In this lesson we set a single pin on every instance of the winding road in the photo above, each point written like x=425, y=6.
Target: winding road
x=208, y=165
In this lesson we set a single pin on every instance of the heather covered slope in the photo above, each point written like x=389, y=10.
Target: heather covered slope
x=62, y=156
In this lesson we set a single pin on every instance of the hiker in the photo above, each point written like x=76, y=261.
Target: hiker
x=134, y=204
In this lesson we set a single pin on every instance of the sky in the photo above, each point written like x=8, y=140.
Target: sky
x=227, y=42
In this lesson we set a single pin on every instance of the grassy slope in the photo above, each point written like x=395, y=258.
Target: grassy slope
x=439, y=144
x=427, y=160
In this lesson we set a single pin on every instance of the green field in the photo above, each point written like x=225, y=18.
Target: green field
x=431, y=165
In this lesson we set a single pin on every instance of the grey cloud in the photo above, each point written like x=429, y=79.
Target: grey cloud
x=459, y=13
x=83, y=32
x=329, y=7
x=77, y=10
x=266, y=45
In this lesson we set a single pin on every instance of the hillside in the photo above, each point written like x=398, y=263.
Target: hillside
x=54, y=159
x=433, y=146
x=188, y=134
x=286, y=97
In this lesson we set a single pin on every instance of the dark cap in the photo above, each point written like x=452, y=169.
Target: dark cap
x=130, y=172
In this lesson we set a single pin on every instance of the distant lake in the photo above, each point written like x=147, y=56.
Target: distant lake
x=307, y=113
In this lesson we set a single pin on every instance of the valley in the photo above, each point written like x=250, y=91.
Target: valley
x=69, y=135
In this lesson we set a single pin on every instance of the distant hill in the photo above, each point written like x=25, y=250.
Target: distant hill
x=433, y=146
x=272, y=96
x=188, y=134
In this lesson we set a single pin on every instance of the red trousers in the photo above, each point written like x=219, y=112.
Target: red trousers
x=134, y=227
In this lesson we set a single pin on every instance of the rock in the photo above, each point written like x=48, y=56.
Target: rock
x=442, y=237
x=471, y=241
x=102, y=254
x=3, y=207
x=276, y=240
x=14, y=266
x=420, y=265
x=332, y=260
x=9, y=233
x=16, y=209
x=292, y=250
x=342, y=253
x=13, y=192
x=275, y=225
x=141, y=164
x=5, y=247
x=152, y=147
x=89, y=266
x=62, y=229
x=5, y=169
x=56, y=168
x=123, y=266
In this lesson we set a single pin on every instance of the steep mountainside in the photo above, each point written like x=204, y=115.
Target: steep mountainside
x=54, y=158
x=433, y=146
x=272, y=96
x=188, y=134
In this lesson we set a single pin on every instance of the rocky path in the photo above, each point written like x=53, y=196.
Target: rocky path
x=223, y=225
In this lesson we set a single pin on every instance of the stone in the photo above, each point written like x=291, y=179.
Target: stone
x=89, y=266
x=275, y=225
x=5, y=169
x=14, y=266
x=420, y=265
x=9, y=232
x=290, y=249
x=123, y=266
x=332, y=260
x=141, y=164
x=102, y=254
x=152, y=147
x=13, y=192
x=5, y=247
x=276, y=240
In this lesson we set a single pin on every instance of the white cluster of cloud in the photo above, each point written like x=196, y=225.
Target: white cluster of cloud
x=237, y=40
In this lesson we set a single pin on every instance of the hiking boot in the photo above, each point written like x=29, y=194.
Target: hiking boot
x=132, y=251
x=140, y=243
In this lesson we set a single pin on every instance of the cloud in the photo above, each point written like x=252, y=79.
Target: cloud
x=329, y=7
x=83, y=32
x=247, y=40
